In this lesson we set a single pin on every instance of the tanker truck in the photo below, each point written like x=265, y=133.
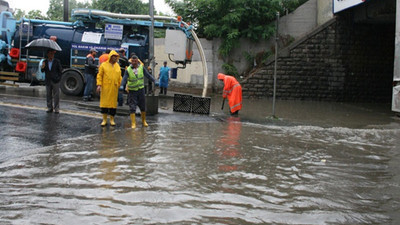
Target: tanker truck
x=90, y=29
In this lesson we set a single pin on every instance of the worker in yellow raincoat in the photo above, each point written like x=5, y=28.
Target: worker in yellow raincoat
x=108, y=82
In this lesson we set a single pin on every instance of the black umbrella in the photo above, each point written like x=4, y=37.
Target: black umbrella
x=43, y=44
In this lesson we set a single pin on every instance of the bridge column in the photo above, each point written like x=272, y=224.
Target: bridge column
x=396, y=70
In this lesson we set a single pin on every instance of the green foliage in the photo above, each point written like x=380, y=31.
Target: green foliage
x=56, y=8
x=263, y=57
x=55, y=11
x=230, y=69
x=159, y=33
x=33, y=14
x=122, y=6
x=249, y=58
x=291, y=5
x=18, y=14
x=232, y=19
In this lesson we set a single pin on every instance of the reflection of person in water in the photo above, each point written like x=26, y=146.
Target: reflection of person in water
x=396, y=95
x=228, y=145
x=50, y=131
x=109, y=156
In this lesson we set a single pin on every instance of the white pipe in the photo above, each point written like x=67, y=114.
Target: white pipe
x=119, y=15
x=147, y=17
x=151, y=40
x=203, y=61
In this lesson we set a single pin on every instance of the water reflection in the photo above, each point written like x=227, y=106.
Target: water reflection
x=50, y=129
x=228, y=145
x=192, y=169
x=108, y=151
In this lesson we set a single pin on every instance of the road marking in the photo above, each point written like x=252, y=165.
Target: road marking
x=64, y=111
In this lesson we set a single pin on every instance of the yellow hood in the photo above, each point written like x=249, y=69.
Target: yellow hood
x=113, y=52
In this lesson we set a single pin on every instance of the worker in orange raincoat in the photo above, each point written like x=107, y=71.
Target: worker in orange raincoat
x=232, y=91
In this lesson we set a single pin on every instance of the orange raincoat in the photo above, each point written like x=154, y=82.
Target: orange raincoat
x=103, y=58
x=232, y=91
x=109, y=78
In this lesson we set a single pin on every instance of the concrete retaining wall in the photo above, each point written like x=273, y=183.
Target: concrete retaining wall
x=339, y=61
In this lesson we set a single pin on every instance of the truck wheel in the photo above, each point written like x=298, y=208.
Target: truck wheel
x=71, y=83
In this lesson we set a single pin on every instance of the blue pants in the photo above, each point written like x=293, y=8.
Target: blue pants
x=89, y=79
x=120, y=98
x=137, y=98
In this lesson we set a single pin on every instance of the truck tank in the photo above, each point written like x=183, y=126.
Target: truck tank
x=69, y=36
x=90, y=30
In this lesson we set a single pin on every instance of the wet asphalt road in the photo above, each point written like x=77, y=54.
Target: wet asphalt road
x=319, y=163
x=26, y=125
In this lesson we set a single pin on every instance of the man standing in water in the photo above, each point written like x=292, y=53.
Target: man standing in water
x=108, y=82
x=232, y=91
x=164, y=78
x=134, y=77
x=123, y=63
x=53, y=70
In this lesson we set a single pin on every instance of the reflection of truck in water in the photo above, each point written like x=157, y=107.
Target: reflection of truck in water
x=91, y=29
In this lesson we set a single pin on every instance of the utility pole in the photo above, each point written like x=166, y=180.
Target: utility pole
x=396, y=70
x=276, y=63
x=66, y=3
x=152, y=101
x=151, y=40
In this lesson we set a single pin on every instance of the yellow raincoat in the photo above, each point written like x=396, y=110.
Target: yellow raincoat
x=109, y=78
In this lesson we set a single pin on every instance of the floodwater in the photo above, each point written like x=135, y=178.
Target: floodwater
x=319, y=163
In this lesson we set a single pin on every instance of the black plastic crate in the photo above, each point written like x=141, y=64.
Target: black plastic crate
x=182, y=103
x=201, y=105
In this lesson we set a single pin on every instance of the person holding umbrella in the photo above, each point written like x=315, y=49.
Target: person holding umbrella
x=53, y=71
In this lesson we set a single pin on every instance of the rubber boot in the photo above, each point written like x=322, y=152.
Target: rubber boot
x=104, y=120
x=112, y=122
x=133, y=121
x=143, y=114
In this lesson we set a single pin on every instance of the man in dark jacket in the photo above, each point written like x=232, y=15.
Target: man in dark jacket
x=134, y=80
x=123, y=63
x=90, y=74
x=53, y=70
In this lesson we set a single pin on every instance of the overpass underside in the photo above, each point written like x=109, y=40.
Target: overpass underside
x=350, y=58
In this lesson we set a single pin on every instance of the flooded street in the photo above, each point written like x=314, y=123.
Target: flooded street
x=319, y=163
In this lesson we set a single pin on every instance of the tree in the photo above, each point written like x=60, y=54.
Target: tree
x=56, y=8
x=35, y=14
x=18, y=14
x=232, y=19
x=122, y=6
